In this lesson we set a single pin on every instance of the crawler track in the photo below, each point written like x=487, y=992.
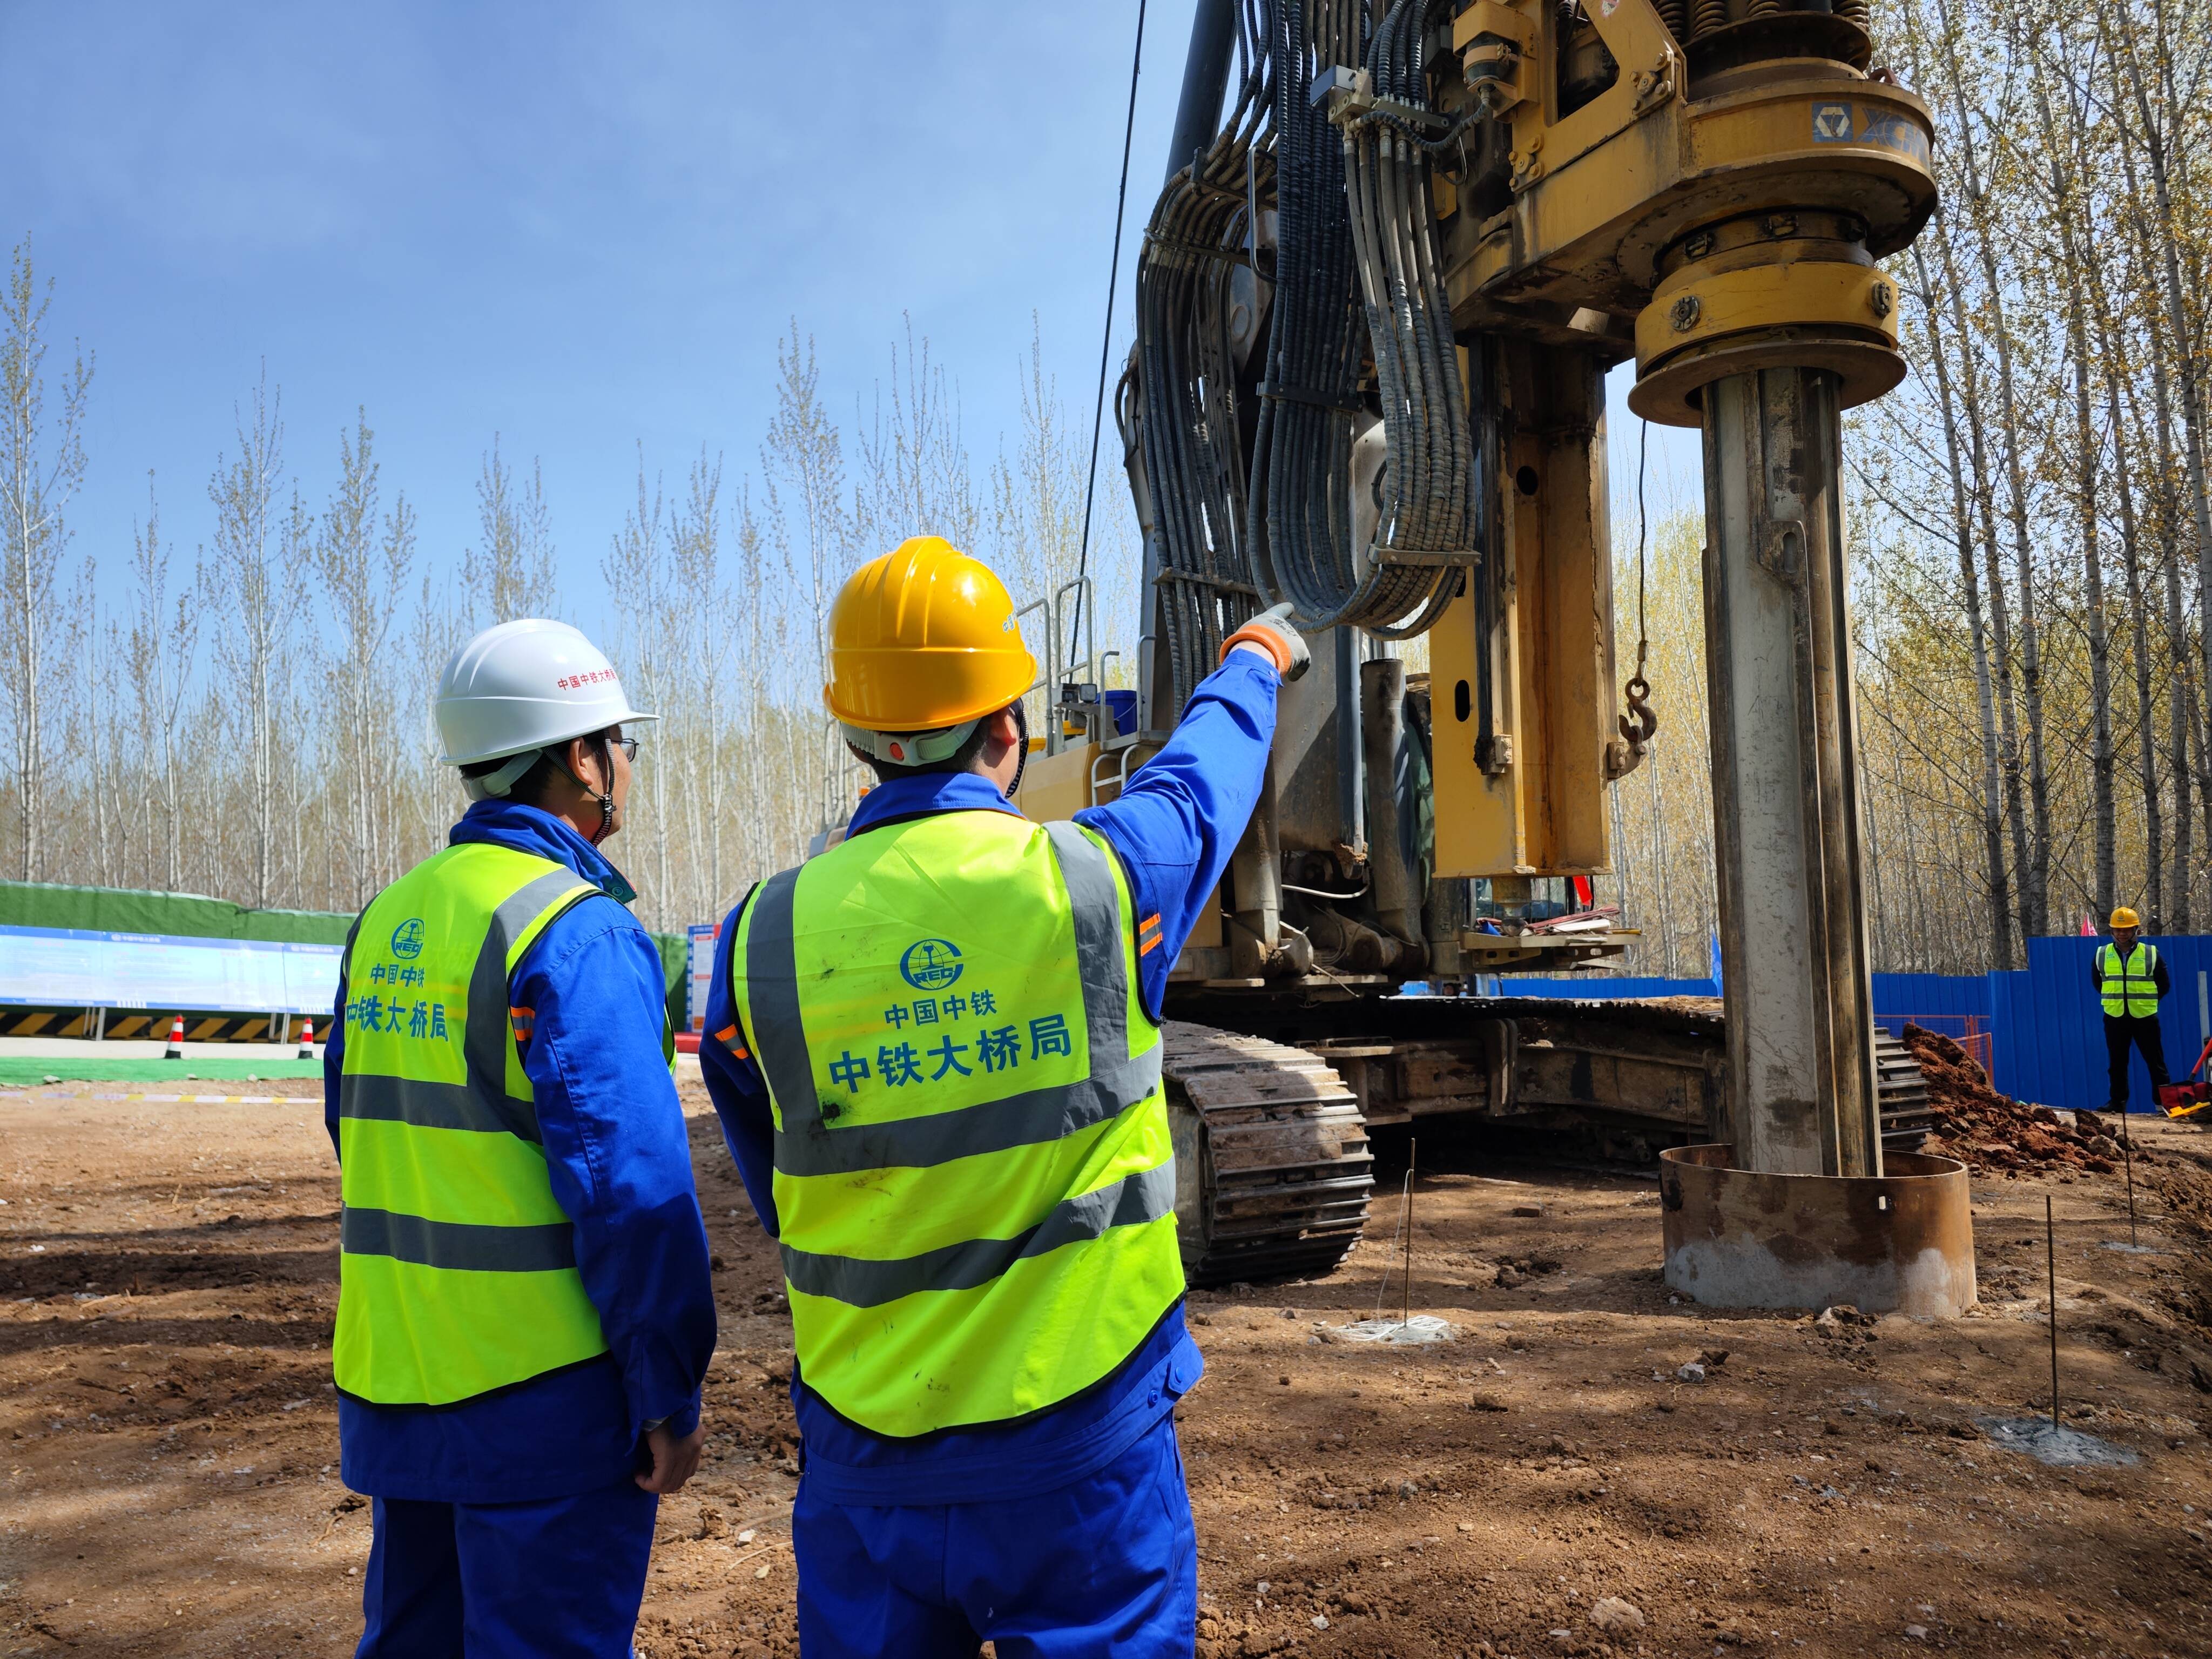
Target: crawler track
x=1272, y=1171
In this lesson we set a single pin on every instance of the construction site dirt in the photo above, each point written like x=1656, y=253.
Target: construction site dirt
x=1586, y=1466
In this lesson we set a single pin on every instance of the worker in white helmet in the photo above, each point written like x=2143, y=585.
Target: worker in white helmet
x=525, y=1315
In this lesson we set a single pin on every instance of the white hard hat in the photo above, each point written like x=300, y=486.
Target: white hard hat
x=521, y=686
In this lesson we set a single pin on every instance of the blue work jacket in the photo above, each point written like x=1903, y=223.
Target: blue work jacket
x=1174, y=827
x=620, y=1166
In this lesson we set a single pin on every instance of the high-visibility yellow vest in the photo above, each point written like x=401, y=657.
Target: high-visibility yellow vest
x=974, y=1179
x=2129, y=986
x=456, y=1271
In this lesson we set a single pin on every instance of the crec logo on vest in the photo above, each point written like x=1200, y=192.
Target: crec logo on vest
x=407, y=939
x=931, y=964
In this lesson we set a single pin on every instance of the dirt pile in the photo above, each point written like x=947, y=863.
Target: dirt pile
x=1989, y=1131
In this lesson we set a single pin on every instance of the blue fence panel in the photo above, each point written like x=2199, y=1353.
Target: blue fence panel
x=1900, y=997
x=1581, y=987
x=2013, y=1045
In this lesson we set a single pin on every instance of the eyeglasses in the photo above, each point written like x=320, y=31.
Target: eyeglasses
x=627, y=746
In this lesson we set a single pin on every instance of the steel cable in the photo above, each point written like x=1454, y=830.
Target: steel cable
x=1106, y=342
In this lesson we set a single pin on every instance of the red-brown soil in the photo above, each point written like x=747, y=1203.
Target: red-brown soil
x=1993, y=1132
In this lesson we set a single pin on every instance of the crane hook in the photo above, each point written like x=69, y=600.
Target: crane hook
x=1639, y=725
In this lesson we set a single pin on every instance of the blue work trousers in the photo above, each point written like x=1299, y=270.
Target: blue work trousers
x=1104, y=1565
x=557, y=1579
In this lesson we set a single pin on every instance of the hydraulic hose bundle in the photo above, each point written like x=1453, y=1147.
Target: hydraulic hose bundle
x=1427, y=523
x=1183, y=401
x=1310, y=405
x=1247, y=483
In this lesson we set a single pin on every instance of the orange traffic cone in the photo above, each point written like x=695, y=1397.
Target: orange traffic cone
x=307, y=1040
x=176, y=1048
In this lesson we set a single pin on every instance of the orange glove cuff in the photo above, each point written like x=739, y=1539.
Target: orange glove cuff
x=1267, y=639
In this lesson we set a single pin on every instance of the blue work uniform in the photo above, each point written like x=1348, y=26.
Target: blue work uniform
x=1067, y=1532
x=515, y=1517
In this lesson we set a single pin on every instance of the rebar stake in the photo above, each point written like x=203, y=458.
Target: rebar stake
x=1406, y=1290
x=2051, y=1265
x=2128, y=1155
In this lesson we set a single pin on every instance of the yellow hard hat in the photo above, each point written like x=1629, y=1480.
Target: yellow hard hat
x=2125, y=917
x=922, y=639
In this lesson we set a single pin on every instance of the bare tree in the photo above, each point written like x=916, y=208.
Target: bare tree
x=803, y=462
x=2072, y=274
x=510, y=572
x=2151, y=113
x=42, y=467
x=1998, y=888
x=432, y=792
x=251, y=569
x=1989, y=240
x=159, y=654
x=362, y=576
x=916, y=479
x=636, y=570
x=99, y=753
x=708, y=612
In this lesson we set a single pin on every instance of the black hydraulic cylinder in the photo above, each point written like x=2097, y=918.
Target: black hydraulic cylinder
x=1204, y=82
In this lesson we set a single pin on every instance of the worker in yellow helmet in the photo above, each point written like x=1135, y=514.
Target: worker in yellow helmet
x=936, y=1054
x=2130, y=977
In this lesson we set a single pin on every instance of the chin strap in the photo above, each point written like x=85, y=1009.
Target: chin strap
x=494, y=786
x=605, y=797
x=1022, y=748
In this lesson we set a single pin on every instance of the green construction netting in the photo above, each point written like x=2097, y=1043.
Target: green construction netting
x=118, y=910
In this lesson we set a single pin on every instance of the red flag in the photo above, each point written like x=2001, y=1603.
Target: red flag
x=2089, y=931
x=1584, y=897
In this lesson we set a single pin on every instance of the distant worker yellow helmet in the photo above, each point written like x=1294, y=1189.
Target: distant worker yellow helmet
x=921, y=640
x=2125, y=917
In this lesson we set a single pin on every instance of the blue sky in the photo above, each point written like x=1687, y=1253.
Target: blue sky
x=578, y=226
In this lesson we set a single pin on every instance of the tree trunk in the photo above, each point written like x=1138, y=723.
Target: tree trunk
x=2035, y=870
x=2122, y=41
x=2077, y=276
x=2143, y=257
x=2101, y=764
x=1969, y=404
x=1999, y=888
x=2154, y=883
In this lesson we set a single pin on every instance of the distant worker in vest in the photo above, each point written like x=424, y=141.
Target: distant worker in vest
x=524, y=1311
x=2130, y=977
x=937, y=1060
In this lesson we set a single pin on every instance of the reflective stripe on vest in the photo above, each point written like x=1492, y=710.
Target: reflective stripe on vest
x=456, y=1271
x=2130, y=987
x=974, y=1178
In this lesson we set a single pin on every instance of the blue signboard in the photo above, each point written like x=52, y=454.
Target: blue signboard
x=69, y=968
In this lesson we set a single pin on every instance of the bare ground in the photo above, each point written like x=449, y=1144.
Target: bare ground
x=168, y=1275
